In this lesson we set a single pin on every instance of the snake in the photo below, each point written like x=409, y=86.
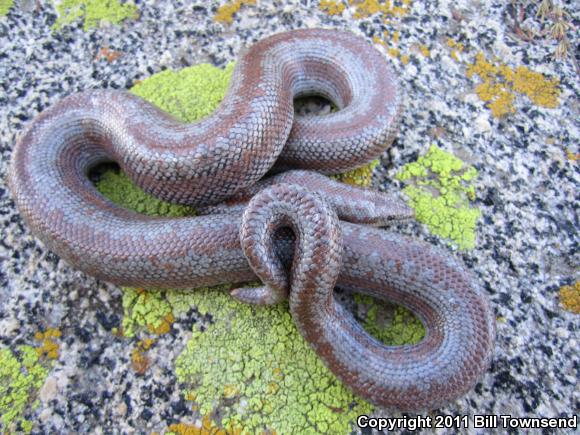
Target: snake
x=299, y=232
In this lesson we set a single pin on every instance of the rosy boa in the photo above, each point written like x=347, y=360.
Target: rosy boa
x=225, y=155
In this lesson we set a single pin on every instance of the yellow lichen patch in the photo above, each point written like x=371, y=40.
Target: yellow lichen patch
x=501, y=84
x=394, y=52
x=360, y=176
x=542, y=91
x=146, y=309
x=396, y=37
x=456, y=48
x=208, y=427
x=332, y=7
x=570, y=297
x=225, y=13
x=48, y=346
x=425, y=50
x=572, y=156
x=386, y=10
x=367, y=8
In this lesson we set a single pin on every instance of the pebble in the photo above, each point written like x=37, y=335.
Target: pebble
x=49, y=389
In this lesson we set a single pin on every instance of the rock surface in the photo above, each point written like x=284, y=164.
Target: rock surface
x=526, y=246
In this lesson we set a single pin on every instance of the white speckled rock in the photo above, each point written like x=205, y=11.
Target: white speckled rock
x=526, y=189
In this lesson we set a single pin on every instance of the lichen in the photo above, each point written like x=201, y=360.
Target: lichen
x=332, y=7
x=120, y=189
x=395, y=327
x=368, y=8
x=252, y=363
x=93, y=12
x=500, y=85
x=188, y=94
x=425, y=50
x=5, y=6
x=207, y=427
x=108, y=54
x=145, y=309
x=139, y=360
x=225, y=13
x=152, y=310
x=570, y=297
x=21, y=376
x=440, y=192
x=49, y=346
x=456, y=48
x=387, y=40
x=359, y=177
x=572, y=156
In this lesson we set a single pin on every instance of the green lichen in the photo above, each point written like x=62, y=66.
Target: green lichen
x=93, y=12
x=360, y=176
x=394, y=327
x=21, y=376
x=254, y=366
x=142, y=309
x=188, y=94
x=250, y=363
x=120, y=189
x=5, y=6
x=153, y=310
x=440, y=192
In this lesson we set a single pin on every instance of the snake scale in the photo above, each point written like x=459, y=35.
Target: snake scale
x=289, y=234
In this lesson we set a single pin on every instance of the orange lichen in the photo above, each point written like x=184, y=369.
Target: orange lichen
x=164, y=325
x=139, y=361
x=572, y=156
x=208, y=427
x=501, y=83
x=367, y=8
x=393, y=52
x=332, y=7
x=570, y=297
x=108, y=54
x=542, y=91
x=49, y=347
x=225, y=13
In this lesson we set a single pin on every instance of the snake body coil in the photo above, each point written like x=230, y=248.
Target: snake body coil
x=224, y=156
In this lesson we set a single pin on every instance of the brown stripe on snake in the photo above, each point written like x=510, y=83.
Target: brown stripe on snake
x=224, y=156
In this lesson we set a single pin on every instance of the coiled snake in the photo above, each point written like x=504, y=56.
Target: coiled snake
x=224, y=156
